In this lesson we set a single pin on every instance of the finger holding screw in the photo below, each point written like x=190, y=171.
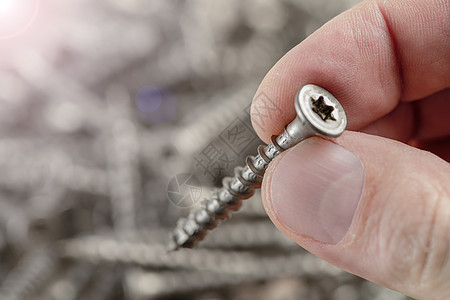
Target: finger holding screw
x=362, y=201
x=318, y=113
x=362, y=71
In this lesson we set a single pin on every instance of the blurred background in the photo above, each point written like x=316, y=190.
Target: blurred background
x=116, y=118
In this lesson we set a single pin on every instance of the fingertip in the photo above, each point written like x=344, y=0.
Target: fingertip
x=369, y=57
x=269, y=112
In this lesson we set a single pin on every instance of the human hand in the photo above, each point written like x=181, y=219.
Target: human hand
x=368, y=202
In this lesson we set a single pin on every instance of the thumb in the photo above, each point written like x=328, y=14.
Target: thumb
x=372, y=206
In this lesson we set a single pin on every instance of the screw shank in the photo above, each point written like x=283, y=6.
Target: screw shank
x=294, y=133
x=222, y=202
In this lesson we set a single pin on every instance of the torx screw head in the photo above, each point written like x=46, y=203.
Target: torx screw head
x=320, y=111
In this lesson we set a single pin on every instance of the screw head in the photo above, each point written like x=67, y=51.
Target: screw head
x=320, y=111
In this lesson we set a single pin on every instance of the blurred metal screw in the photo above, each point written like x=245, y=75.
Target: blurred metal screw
x=30, y=274
x=318, y=113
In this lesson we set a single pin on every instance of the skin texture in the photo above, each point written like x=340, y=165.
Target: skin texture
x=388, y=63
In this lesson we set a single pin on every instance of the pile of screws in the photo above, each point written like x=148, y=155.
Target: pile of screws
x=117, y=122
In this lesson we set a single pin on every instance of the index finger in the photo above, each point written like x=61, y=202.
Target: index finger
x=370, y=57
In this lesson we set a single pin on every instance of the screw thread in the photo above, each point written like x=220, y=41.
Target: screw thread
x=30, y=274
x=227, y=199
x=313, y=114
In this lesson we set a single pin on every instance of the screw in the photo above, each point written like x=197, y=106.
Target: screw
x=248, y=235
x=70, y=284
x=124, y=176
x=144, y=283
x=318, y=113
x=106, y=284
x=31, y=273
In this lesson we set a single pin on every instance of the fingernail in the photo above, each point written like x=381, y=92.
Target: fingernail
x=316, y=188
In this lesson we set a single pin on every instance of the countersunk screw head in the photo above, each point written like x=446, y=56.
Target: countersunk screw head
x=320, y=111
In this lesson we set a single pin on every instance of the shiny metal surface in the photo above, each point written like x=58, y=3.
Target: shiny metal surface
x=328, y=120
x=102, y=104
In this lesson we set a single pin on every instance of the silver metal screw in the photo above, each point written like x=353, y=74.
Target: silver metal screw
x=318, y=113
x=31, y=273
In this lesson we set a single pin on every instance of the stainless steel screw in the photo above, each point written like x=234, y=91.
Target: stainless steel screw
x=145, y=284
x=70, y=284
x=31, y=273
x=318, y=113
